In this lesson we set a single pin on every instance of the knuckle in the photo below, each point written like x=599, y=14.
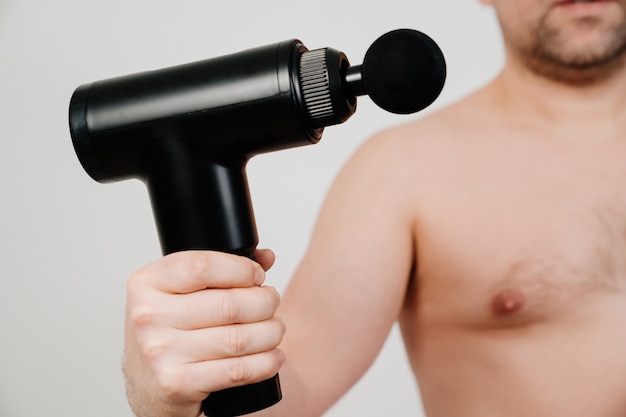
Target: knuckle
x=238, y=342
x=198, y=265
x=172, y=383
x=229, y=309
x=239, y=371
x=135, y=282
x=143, y=316
x=154, y=350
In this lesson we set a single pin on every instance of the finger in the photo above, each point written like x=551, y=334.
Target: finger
x=189, y=271
x=265, y=257
x=218, y=307
x=229, y=341
x=211, y=376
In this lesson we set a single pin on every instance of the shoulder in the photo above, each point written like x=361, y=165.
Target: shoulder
x=404, y=171
x=424, y=144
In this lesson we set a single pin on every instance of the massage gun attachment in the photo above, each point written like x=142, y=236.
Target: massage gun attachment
x=188, y=132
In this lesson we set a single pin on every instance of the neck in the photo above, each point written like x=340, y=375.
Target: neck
x=534, y=98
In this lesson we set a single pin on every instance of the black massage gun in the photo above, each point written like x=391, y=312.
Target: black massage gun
x=188, y=131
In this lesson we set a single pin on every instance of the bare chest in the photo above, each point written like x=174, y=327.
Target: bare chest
x=521, y=240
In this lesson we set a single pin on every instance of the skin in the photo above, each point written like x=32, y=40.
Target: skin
x=497, y=241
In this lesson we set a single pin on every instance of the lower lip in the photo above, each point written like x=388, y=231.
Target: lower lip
x=585, y=8
x=584, y=5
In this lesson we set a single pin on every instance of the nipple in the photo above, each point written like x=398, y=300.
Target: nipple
x=508, y=301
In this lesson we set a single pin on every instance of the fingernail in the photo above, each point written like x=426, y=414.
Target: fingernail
x=281, y=357
x=259, y=276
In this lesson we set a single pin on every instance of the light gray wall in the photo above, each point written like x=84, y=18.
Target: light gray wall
x=68, y=243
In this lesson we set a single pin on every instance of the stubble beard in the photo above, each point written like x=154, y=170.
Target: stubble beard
x=553, y=57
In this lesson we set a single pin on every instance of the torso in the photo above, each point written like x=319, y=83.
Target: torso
x=518, y=304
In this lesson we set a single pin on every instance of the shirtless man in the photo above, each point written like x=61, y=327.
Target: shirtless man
x=497, y=239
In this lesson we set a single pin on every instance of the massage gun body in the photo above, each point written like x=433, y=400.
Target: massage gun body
x=188, y=132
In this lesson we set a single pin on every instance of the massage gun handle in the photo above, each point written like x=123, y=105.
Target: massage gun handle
x=242, y=400
x=200, y=204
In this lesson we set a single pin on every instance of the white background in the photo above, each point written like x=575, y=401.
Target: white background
x=68, y=243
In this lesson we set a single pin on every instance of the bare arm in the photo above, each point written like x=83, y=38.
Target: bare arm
x=350, y=287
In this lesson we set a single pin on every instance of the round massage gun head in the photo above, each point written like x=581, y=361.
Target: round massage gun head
x=403, y=72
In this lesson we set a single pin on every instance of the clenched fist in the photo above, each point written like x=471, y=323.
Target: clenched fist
x=198, y=322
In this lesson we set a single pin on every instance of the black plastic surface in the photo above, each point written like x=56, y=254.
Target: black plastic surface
x=243, y=400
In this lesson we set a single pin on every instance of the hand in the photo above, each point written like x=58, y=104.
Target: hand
x=198, y=322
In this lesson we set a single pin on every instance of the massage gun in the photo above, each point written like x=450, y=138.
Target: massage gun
x=188, y=131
